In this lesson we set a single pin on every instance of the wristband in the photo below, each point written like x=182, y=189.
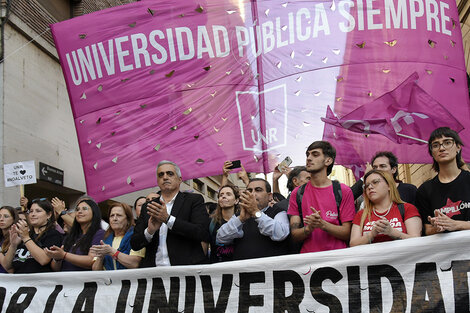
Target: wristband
x=115, y=256
x=60, y=260
x=63, y=212
x=27, y=241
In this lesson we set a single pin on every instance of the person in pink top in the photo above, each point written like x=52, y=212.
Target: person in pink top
x=326, y=222
x=385, y=216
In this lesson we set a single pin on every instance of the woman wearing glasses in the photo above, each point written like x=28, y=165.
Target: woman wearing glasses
x=385, y=216
x=75, y=254
x=8, y=217
x=444, y=201
x=27, y=242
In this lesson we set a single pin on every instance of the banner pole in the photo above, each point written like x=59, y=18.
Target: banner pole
x=22, y=195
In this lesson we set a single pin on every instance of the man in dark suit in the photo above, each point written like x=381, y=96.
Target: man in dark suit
x=172, y=230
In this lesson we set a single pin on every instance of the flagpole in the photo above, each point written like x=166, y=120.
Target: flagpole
x=409, y=137
x=261, y=99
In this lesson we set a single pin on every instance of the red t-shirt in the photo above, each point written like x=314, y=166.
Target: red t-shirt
x=394, y=218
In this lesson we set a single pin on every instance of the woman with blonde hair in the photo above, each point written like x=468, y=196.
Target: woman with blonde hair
x=114, y=252
x=385, y=216
x=227, y=206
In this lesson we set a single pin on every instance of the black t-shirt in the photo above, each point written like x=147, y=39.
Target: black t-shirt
x=407, y=192
x=23, y=261
x=452, y=199
x=219, y=251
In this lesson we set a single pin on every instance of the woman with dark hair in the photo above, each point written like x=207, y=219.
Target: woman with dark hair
x=27, y=242
x=114, y=252
x=8, y=217
x=385, y=216
x=138, y=205
x=86, y=231
x=227, y=206
x=444, y=201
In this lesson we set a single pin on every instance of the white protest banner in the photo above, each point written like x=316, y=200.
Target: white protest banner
x=19, y=173
x=427, y=274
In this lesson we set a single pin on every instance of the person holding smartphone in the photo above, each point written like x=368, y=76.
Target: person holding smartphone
x=231, y=165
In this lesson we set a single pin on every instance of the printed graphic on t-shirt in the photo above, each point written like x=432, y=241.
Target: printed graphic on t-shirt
x=22, y=255
x=451, y=208
x=394, y=223
x=332, y=215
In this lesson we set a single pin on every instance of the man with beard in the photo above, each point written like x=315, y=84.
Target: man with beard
x=259, y=230
x=326, y=221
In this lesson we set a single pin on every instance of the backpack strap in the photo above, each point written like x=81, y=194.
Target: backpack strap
x=298, y=198
x=338, y=196
x=401, y=208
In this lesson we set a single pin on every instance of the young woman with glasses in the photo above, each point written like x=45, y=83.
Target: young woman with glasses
x=444, y=201
x=381, y=219
x=29, y=238
x=75, y=254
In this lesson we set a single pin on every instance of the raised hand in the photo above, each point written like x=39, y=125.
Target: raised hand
x=58, y=205
x=248, y=202
x=23, y=230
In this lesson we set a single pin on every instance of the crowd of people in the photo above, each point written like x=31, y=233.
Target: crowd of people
x=178, y=228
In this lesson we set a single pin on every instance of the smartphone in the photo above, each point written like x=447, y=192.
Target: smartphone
x=235, y=164
x=155, y=200
x=284, y=164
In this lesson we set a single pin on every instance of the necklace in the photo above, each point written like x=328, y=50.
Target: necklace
x=383, y=215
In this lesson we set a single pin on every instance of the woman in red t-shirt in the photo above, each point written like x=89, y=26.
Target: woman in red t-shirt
x=381, y=219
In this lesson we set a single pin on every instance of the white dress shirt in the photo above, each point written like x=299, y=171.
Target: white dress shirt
x=161, y=258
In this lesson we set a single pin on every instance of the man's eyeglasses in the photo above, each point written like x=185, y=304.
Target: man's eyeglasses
x=168, y=173
x=447, y=144
x=373, y=183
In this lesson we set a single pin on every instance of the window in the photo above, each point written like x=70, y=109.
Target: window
x=198, y=185
x=211, y=193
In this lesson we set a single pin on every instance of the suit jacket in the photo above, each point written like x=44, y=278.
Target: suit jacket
x=357, y=189
x=184, y=239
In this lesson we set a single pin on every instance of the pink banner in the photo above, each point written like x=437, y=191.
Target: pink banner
x=203, y=82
